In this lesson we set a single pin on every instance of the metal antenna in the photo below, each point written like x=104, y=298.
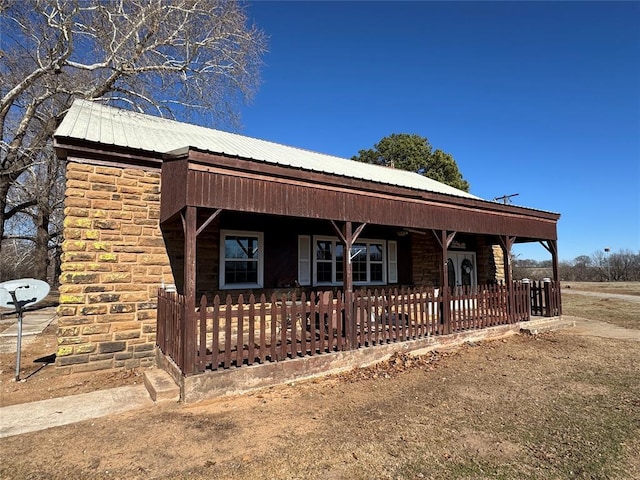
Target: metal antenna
x=506, y=199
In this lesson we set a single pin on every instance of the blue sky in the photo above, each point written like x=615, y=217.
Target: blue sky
x=536, y=98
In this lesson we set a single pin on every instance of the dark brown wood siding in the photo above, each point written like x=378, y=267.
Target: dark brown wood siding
x=259, y=194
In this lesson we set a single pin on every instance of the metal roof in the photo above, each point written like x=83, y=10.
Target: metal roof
x=95, y=122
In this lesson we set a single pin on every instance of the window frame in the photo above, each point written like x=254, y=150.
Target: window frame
x=224, y=285
x=335, y=241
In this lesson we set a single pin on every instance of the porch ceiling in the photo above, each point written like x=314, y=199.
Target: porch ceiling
x=201, y=179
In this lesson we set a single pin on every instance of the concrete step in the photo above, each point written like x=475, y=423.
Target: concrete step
x=534, y=327
x=161, y=386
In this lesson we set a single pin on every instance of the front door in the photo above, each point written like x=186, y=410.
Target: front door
x=462, y=269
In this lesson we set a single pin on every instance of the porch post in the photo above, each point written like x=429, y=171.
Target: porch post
x=506, y=243
x=552, y=248
x=189, y=329
x=445, y=239
x=347, y=232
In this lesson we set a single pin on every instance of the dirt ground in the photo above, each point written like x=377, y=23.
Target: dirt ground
x=553, y=406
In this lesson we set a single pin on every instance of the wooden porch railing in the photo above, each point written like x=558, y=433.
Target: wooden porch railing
x=545, y=299
x=249, y=331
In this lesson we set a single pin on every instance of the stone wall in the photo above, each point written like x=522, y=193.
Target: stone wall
x=113, y=262
x=426, y=260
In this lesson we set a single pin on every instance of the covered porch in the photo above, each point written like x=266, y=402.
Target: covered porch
x=213, y=321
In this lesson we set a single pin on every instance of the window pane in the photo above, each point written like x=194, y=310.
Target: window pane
x=240, y=247
x=376, y=272
x=241, y=271
x=375, y=252
x=323, y=251
x=323, y=271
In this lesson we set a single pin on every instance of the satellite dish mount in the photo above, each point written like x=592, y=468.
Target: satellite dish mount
x=19, y=294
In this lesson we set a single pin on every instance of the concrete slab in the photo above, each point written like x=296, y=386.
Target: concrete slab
x=161, y=386
x=33, y=322
x=36, y=416
x=541, y=325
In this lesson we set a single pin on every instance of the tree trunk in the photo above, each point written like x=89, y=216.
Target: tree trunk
x=5, y=184
x=41, y=259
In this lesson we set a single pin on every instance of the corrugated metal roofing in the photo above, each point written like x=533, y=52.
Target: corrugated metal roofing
x=95, y=122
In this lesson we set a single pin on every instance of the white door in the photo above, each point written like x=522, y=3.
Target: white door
x=462, y=269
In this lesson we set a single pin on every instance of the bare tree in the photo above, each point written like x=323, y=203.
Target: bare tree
x=187, y=59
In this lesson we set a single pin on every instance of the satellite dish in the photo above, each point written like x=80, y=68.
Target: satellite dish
x=27, y=291
x=19, y=294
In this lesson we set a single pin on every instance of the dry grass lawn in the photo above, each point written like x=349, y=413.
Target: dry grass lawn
x=553, y=406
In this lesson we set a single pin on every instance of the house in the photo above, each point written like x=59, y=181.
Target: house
x=223, y=219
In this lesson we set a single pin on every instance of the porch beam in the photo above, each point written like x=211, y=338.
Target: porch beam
x=444, y=238
x=189, y=326
x=206, y=223
x=338, y=231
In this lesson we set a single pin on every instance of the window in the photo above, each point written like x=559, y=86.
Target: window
x=241, y=255
x=368, y=259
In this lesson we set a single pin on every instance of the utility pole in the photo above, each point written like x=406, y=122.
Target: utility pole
x=506, y=199
x=606, y=252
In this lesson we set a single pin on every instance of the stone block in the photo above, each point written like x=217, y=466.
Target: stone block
x=76, y=320
x=73, y=233
x=93, y=310
x=72, y=359
x=107, y=205
x=93, y=366
x=72, y=267
x=69, y=340
x=98, y=267
x=161, y=386
x=76, y=212
x=107, y=257
x=73, y=257
x=103, y=298
x=69, y=298
x=95, y=329
x=96, y=289
x=91, y=234
x=128, y=182
x=133, y=230
x=80, y=167
x=74, y=245
x=101, y=187
x=99, y=246
x=121, y=326
x=79, y=278
x=116, y=277
x=152, y=242
x=104, y=224
x=122, y=308
x=113, y=173
x=126, y=335
x=149, y=328
x=97, y=195
x=65, y=311
x=112, y=347
x=86, y=348
x=116, y=318
x=78, y=184
x=64, y=350
x=68, y=331
x=80, y=176
x=147, y=315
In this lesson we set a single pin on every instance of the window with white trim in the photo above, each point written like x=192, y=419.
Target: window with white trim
x=368, y=261
x=241, y=259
